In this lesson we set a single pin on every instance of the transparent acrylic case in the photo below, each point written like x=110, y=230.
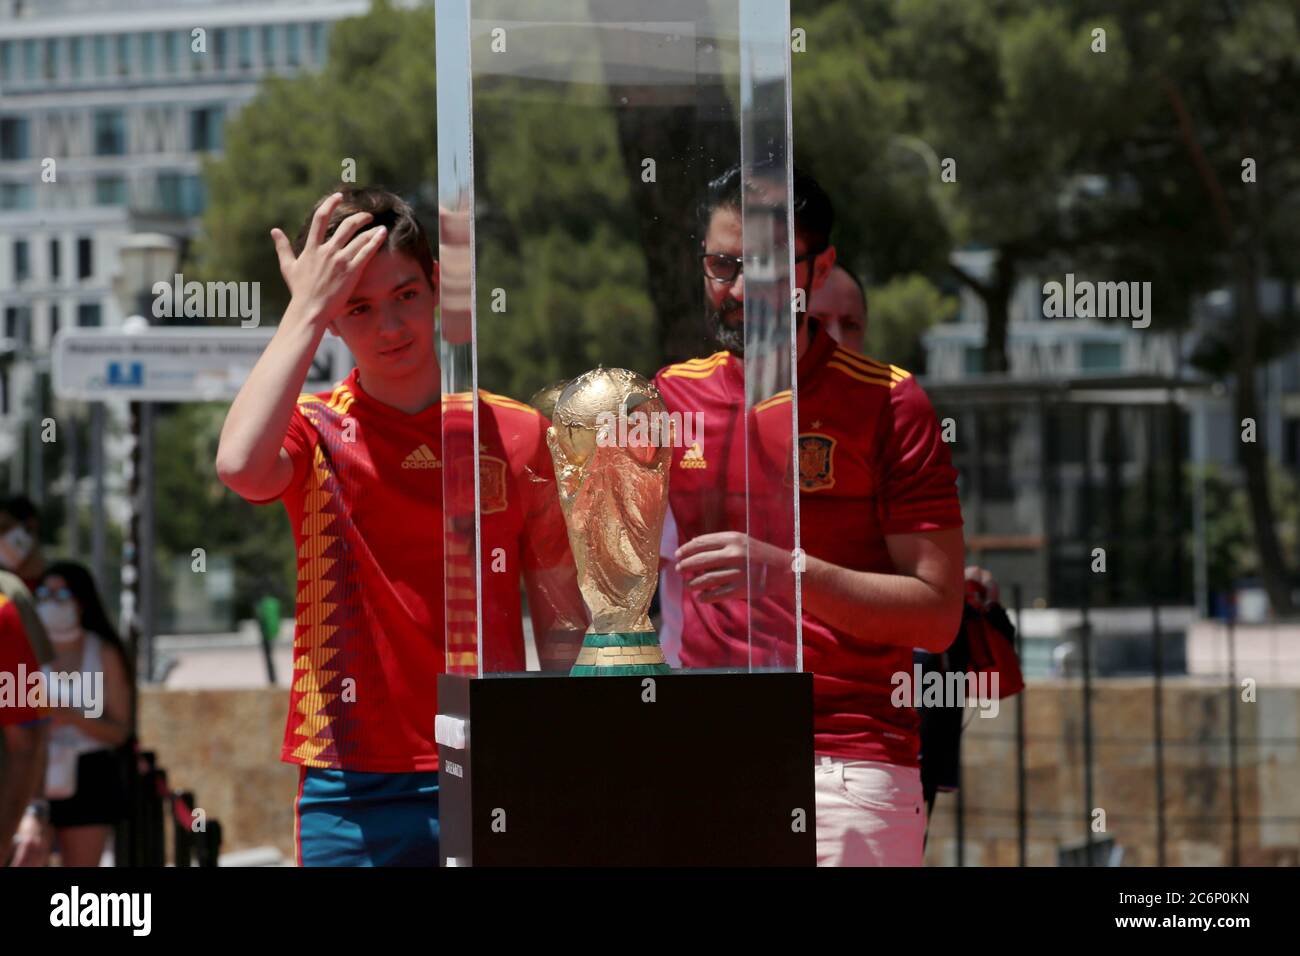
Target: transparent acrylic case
x=577, y=140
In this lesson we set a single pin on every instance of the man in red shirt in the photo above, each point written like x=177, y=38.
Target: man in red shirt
x=880, y=528
x=24, y=729
x=360, y=470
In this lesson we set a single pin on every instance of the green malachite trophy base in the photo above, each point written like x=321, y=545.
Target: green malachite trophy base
x=629, y=654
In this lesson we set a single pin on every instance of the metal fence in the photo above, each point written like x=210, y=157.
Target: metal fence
x=1223, y=763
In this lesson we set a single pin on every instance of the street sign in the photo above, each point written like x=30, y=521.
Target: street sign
x=174, y=364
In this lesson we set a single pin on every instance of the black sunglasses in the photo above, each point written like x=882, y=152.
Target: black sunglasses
x=724, y=268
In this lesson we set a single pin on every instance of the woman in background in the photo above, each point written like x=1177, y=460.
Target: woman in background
x=83, y=780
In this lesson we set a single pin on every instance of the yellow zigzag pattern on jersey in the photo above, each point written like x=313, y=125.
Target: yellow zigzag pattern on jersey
x=315, y=587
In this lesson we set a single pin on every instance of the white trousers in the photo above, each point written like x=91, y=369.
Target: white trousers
x=868, y=813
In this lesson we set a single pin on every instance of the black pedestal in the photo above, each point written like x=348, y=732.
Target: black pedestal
x=706, y=769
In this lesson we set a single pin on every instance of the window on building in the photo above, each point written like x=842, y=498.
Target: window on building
x=197, y=57
x=123, y=45
x=205, y=128
x=172, y=52
x=8, y=61
x=22, y=260
x=101, y=56
x=31, y=61
x=89, y=315
x=15, y=140
x=110, y=133
x=293, y=44
x=56, y=259
x=110, y=191
x=52, y=59
x=4, y=391
x=18, y=323
x=269, y=46
x=973, y=360
x=181, y=194
x=16, y=196
x=56, y=319
x=244, y=40
x=85, y=257
x=221, y=49
x=77, y=58
x=148, y=54
x=1101, y=357
x=318, y=40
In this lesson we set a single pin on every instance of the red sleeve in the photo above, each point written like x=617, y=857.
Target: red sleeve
x=918, y=488
x=16, y=662
x=299, y=439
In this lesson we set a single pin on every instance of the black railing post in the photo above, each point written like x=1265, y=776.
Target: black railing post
x=1085, y=646
x=157, y=835
x=209, y=844
x=1234, y=792
x=1158, y=666
x=182, y=828
x=960, y=806
x=1022, y=820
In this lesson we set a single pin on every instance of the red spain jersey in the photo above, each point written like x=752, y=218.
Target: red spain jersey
x=871, y=464
x=366, y=505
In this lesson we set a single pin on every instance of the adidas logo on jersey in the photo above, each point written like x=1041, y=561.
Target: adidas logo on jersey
x=694, y=457
x=422, y=458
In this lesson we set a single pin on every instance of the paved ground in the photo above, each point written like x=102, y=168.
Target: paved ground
x=206, y=666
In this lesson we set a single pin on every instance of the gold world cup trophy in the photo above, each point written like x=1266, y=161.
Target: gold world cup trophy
x=611, y=468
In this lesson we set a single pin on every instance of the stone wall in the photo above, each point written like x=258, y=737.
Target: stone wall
x=1197, y=776
x=224, y=745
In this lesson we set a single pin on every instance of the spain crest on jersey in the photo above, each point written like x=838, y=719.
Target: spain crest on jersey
x=816, y=463
x=491, y=484
x=493, y=493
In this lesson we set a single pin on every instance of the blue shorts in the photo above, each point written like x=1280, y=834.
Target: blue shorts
x=349, y=818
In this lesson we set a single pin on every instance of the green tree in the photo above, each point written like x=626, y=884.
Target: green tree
x=193, y=509
x=371, y=106
x=556, y=230
x=899, y=314
x=1218, y=157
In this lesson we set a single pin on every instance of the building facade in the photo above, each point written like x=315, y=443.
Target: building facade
x=108, y=109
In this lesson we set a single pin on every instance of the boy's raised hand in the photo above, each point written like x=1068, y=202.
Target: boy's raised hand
x=324, y=275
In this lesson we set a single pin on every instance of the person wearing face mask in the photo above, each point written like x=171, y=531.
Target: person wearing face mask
x=20, y=539
x=20, y=550
x=21, y=565
x=83, y=780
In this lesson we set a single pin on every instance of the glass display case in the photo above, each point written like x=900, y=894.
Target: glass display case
x=615, y=245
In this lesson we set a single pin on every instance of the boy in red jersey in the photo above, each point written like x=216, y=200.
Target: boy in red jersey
x=880, y=525
x=360, y=471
